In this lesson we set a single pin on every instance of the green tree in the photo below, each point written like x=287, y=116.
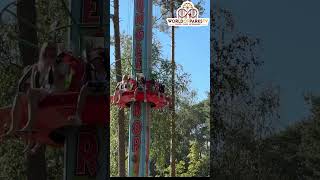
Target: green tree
x=195, y=159
x=309, y=151
x=121, y=136
x=243, y=112
x=21, y=33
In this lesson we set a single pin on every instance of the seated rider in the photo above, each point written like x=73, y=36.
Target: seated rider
x=132, y=84
x=124, y=84
x=73, y=68
x=40, y=85
x=64, y=77
x=121, y=87
x=151, y=86
x=161, y=90
x=37, y=75
x=141, y=86
x=95, y=74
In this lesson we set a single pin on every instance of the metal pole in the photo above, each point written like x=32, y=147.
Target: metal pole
x=87, y=147
x=70, y=145
x=106, y=139
x=173, y=113
x=140, y=118
x=74, y=44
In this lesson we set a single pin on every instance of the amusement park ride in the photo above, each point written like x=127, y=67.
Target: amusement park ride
x=53, y=123
x=139, y=92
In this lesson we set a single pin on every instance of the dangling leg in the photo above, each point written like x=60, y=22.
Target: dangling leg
x=34, y=96
x=135, y=94
x=119, y=94
x=160, y=96
x=145, y=93
x=36, y=147
x=115, y=94
x=30, y=143
x=15, y=115
x=76, y=120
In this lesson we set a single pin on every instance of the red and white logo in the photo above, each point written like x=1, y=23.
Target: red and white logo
x=187, y=15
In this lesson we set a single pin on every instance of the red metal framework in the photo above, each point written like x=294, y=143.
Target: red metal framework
x=56, y=109
x=140, y=91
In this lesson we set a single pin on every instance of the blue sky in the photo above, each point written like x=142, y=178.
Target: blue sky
x=6, y=15
x=192, y=46
x=289, y=30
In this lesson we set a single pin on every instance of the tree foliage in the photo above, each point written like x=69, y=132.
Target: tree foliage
x=243, y=111
x=244, y=114
x=12, y=161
